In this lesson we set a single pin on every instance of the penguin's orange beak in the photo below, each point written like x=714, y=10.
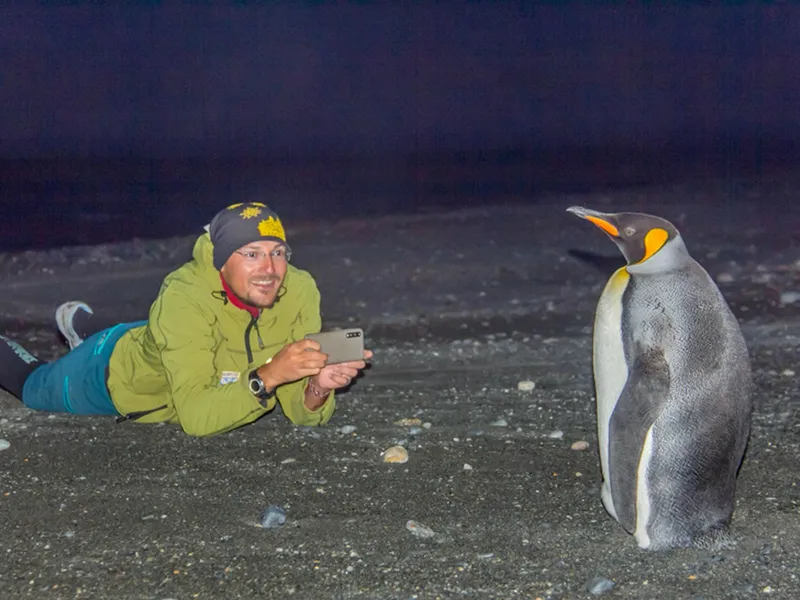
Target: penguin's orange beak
x=601, y=220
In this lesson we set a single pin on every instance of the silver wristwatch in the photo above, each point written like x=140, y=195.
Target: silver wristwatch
x=257, y=387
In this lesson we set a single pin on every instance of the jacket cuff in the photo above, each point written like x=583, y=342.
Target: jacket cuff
x=322, y=414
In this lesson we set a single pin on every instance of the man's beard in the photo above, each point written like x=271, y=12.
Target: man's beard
x=278, y=295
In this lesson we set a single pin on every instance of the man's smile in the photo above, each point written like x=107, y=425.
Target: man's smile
x=264, y=284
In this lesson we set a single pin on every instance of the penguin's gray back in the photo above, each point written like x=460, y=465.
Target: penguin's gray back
x=679, y=427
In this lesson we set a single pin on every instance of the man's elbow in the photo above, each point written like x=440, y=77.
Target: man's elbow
x=200, y=427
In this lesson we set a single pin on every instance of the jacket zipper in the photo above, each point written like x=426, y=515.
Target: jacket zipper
x=253, y=323
x=247, y=339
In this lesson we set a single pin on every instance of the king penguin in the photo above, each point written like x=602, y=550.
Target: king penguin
x=673, y=388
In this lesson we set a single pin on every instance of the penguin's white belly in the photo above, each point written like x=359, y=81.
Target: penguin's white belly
x=610, y=368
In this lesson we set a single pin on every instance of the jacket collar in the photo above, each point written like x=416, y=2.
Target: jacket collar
x=254, y=312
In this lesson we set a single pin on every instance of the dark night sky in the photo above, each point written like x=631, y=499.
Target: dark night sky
x=388, y=78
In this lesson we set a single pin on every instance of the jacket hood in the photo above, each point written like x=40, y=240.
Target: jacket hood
x=203, y=255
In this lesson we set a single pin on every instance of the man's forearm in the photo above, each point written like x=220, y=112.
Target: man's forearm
x=315, y=395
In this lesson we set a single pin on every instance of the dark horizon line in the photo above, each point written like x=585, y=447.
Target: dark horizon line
x=521, y=150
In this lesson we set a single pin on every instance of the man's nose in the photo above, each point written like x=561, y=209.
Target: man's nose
x=268, y=262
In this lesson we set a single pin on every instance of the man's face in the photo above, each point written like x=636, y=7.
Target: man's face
x=256, y=271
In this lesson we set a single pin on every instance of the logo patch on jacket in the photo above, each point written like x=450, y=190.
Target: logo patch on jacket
x=228, y=377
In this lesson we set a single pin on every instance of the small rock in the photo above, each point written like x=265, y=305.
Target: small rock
x=725, y=278
x=4, y=445
x=427, y=425
x=409, y=422
x=556, y=435
x=787, y=373
x=499, y=423
x=580, y=445
x=599, y=586
x=273, y=517
x=347, y=429
x=287, y=461
x=526, y=385
x=415, y=430
x=790, y=297
x=467, y=467
x=420, y=530
x=395, y=454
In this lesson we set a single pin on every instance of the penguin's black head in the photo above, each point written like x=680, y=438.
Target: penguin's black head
x=638, y=236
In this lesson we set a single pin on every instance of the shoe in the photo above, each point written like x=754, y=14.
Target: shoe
x=65, y=319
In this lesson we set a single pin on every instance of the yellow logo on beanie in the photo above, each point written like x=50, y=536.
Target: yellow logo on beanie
x=250, y=212
x=271, y=228
x=238, y=204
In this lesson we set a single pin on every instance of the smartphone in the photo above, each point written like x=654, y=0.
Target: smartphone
x=341, y=345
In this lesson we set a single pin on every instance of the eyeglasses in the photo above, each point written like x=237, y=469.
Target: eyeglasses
x=279, y=254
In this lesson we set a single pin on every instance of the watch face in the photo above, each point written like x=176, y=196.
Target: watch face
x=256, y=385
x=258, y=388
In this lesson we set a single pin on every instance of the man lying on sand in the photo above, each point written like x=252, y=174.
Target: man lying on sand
x=223, y=343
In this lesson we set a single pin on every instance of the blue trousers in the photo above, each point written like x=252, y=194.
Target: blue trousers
x=76, y=382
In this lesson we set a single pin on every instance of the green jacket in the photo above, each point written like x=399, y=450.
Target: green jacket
x=190, y=361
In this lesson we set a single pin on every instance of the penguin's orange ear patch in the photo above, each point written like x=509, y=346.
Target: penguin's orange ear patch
x=654, y=241
x=604, y=225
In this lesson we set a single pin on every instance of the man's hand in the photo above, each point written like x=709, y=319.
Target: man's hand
x=293, y=362
x=334, y=377
x=330, y=378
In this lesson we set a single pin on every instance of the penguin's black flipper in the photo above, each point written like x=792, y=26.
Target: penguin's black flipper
x=644, y=395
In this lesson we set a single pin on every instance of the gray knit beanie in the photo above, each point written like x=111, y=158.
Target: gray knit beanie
x=241, y=224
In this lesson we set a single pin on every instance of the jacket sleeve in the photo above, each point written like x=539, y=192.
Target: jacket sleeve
x=182, y=331
x=292, y=395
